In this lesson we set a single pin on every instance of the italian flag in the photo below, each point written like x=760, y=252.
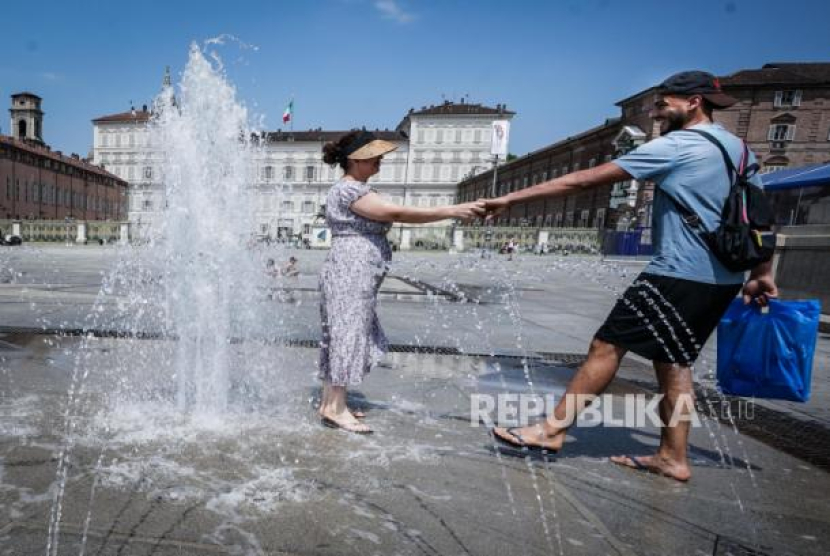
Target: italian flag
x=288, y=112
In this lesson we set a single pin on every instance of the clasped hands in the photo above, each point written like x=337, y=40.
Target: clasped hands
x=482, y=208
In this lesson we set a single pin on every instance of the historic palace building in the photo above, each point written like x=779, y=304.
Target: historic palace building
x=783, y=113
x=37, y=183
x=437, y=146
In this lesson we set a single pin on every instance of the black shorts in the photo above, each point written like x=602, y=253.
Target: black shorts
x=666, y=319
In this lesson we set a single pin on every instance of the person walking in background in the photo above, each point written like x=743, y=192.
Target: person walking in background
x=290, y=269
x=688, y=286
x=350, y=278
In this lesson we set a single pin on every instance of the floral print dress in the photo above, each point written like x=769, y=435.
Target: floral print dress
x=349, y=283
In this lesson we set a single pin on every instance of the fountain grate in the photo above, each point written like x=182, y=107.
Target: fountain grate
x=725, y=546
x=554, y=358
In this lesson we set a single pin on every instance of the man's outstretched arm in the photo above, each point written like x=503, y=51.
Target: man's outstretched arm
x=604, y=174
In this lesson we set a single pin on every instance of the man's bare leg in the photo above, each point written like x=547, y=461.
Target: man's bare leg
x=591, y=379
x=678, y=396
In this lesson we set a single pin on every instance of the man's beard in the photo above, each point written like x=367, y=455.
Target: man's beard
x=673, y=122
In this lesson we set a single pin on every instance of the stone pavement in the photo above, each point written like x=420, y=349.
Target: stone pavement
x=261, y=480
x=555, y=304
x=265, y=478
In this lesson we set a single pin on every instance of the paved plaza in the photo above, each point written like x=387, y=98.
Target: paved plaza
x=266, y=478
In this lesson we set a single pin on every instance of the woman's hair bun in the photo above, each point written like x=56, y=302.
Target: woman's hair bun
x=332, y=153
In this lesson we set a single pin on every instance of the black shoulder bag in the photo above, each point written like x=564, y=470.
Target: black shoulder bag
x=744, y=238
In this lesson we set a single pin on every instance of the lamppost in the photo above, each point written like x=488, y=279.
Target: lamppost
x=405, y=183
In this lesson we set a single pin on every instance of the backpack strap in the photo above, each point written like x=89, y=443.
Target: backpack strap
x=692, y=218
x=730, y=166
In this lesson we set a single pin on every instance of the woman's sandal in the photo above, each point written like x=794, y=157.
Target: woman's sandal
x=332, y=424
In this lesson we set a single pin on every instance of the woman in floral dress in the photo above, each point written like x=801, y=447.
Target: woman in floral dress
x=350, y=278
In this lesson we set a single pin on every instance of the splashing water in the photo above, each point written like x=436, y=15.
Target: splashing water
x=206, y=171
x=197, y=283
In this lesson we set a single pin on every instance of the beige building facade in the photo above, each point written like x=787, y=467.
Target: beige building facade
x=437, y=146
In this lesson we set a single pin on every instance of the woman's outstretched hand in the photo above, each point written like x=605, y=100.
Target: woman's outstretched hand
x=469, y=211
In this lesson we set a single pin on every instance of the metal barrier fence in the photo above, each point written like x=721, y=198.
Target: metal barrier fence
x=632, y=243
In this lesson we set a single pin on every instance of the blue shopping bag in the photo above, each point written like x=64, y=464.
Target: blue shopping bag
x=768, y=353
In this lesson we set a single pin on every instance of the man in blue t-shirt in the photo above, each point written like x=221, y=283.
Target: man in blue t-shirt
x=674, y=305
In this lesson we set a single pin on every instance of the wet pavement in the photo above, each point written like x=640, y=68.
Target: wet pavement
x=264, y=477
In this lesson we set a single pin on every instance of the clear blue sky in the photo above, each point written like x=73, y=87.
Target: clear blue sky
x=560, y=64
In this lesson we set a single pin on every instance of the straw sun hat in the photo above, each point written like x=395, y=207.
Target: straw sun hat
x=366, y=145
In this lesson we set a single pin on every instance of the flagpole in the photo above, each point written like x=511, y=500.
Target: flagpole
x=291, y=121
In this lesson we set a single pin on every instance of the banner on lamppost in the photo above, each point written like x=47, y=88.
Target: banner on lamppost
x=501, y=134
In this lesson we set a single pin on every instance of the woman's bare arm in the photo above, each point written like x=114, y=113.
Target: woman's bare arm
x=373, y=207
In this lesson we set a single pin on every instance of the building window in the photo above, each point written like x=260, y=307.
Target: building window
x=288, y=173
x=439, y=136
x=457, y=135
x=773, y=167
x=787, y=98
x=288, y=206
x=147, y=204
x=308, y=207
x=583, y=219
x=477, y=136
x=569, y=219
x=148, y=172
x=781, y=132
x=309, y=173
x=267, y=173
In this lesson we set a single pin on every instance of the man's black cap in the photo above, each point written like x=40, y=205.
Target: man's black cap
x=697, y=83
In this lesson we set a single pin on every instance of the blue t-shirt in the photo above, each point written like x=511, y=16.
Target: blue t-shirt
x=691, y=169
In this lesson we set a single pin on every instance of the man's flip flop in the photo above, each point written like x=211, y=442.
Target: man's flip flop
x=640, y=466
x=520, y=443
x=332, y=424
